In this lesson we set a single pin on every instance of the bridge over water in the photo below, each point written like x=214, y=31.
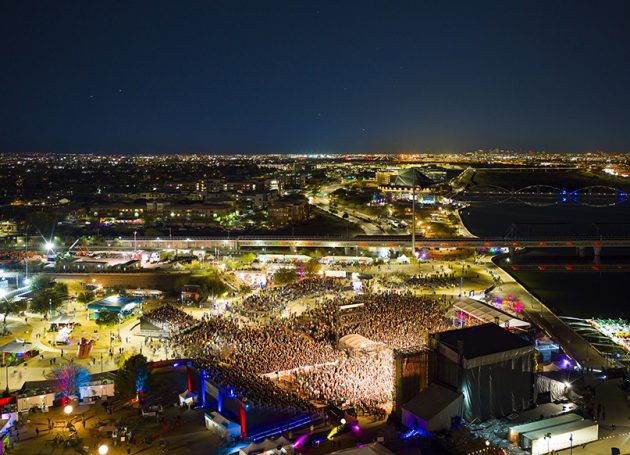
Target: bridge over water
x=596, y=196
x=368, y=241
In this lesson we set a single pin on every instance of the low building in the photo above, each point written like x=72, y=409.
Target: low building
x=113, y=304
x=288, y=210
x=432, y=409
x=97, y=389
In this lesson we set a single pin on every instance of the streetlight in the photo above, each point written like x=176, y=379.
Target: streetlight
x=548, y=438
x=68, y=409
x=103, y=449
x=49, y=246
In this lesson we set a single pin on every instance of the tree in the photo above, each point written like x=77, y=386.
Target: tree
x=10, y=305
x=209, y=284
x=132, y=378
x=52, y=296
x=68, y=379
x=107, y=318
x=285, y=276
x=312, y=266
x=40, y=282
x=86, y=297
x=247, y=258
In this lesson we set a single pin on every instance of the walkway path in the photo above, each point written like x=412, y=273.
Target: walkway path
x=576, y=346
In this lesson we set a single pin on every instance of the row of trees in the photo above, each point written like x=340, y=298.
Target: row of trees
x=46, y=294
x=131, y=381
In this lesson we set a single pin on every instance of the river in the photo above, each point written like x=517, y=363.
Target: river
x=585, y=293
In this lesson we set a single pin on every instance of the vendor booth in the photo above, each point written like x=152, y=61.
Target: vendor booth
x=17, y=351
x=226, y=428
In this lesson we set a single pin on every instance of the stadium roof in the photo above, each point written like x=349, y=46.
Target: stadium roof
x=405, y=178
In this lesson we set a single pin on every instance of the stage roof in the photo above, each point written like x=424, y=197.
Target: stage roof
x=488, y=313
x=482, y=345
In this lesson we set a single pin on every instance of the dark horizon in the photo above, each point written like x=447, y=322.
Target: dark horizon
x=229, y=78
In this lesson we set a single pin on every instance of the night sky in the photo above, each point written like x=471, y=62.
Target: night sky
x=313, y=77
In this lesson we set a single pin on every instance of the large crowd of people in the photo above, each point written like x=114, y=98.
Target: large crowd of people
x=274, y=299
x=401, y=320
x=425, y=281
x=304, y=347
x=170, y=318
x=363, y=382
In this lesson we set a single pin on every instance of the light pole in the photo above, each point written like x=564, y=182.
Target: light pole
x=26, y=280
x=134, y=241
x=571, y=441
x=461, y=281
x=67, y=410
x=548, y=438
x=413, y=212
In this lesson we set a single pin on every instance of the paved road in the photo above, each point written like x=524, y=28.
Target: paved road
x=576, y=346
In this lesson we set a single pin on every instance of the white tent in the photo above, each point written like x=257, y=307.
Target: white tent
x=280, y=445
x=433, y=408
x=187, y=398
x=355, y=342
x=227, y=428
x=402, y=259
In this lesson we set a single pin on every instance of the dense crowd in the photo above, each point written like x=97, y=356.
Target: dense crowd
x=305, y=345
x=258, y=349
x=171, y=319
x=364, y=382
x=401, y=320
x=426, y=281
x=262, y=392
x=275, y=299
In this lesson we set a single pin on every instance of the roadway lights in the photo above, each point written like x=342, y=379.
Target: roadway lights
x=68, y=409
x=49, y=246
x=103, y=449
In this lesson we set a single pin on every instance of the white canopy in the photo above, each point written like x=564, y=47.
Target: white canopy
x=487, y=313
x=355, y=342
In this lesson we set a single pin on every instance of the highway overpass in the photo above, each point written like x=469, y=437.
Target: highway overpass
x=360, y=241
